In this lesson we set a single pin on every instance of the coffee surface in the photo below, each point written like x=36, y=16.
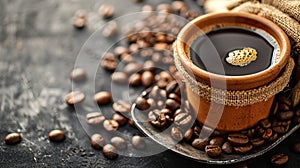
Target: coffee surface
x=209, y=51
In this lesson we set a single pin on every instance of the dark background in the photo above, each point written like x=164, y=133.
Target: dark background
x=38, y=49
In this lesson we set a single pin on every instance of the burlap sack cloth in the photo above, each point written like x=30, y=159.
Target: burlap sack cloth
x=285, y=13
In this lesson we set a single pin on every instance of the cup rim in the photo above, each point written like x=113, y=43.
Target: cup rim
x=282, y=39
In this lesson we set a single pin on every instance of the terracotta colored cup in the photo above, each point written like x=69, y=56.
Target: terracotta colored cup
x=233, y=118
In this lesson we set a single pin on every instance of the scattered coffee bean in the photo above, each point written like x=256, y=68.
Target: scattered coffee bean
x=267, y=134
x=197, y=131
x=120, y=119
x=121, y=106
x=132, y=68
x=227, y=148
x=281, y=127
x=217, y=141
x=164, y=7
x=176, y=134
x=131, y=122
x=138, y=142
x=13, y=138
x=106, y=11
x=149, y=66
x=200, y=143
x=172, y=104
x=285, y=115
x=296, y=147
x=110, y=125
x=273, y=137
x=147, y=8
x=79, y=23
x=119, y=50
x=94, y=118
x=119, y=77
x=74, y=98
x=78, y=75
x=147, y=78
x=188, y=134
x=174, y=97
x=173, y=87
x=238, y=139
x=265, y=123
x=97, y=141
x=102, y=98
x=142, y=104
x=135, y=80
x=157, y=119
x=183, y=119
x=109, y=62
x=257, y=142
x=243, y=149
x=213, y=150
x=56, y=135
x=109, y=151
x=119, y=143
x=279, y=159
x=177, y=6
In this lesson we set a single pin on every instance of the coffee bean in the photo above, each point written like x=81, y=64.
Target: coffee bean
x=285, y=100
x=131, y=122
x=238, y=139
x=121, y=106
x=296, y=147
x=197, y=130
x=164, y=7
x=273, y=137
x=259, y=130
x=279, y=159
x=157, y=119
x=157, y=57
x=274, y=108
x=135, y=80
x=109, y=62
x=79, y=23
x=120, y=119
x=119, y=77
x=213, y=150
x=265, y=123
x=13, y=138
x=178, y=5
x=102, y=98
x=119, y=142
x=251, y=132
x=217, y=141
x=152, y=102
x=183, y=119
x=281, y=127
x=285, y=115
x=138, y=142
x=132, y=68
x=147, y=78
x=97, y=141
x=188, y=134
x=127, y=58
x=56, y=135
x=243, y=149
x=149, y=66
x=110, y=29
x=147, y=8
x=227, y=148
x=74, y=98
x=267, y=134
x=172, y=104
x=257, y=142
x=110, y=125
x=110, y=152
x=164, y=78
x=200, y=143
x=119, y=50
x=142, y=104
x=106, y=11
x=176, y=134
x=78, y=75
x=94, y=118
x=173, y=87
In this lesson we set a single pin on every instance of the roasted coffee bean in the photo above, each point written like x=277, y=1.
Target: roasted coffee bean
x=97, y=141
x=119, y=50
x=106, y=11
x=200, y=143
x=131, y=122
x=138, y=142
x=147, y=8
x=285, y=100
x=157, y=57
x=152, y=102
x=56, y=135
x=197, y=131
x=78, y=75
x=251, y=132
x=238, y=139
x=147, y=78
x=174, y=97
x=284, y=107
x=183, y=119
x=267, y=134
x=217, y=141
x=260, y=130
x=265, y=123
x=132, y=68
x=243, y=149
x=135, y=80
x=281, y=127
x=79, y=23
x=110, y=29
x=273, y=137
x=74, y=98
x=164, y=7
x=160, y=121
x=213, y=150
x=13, y=138
x=119, y=142
x=94, y=118
x=188, y=134
x=149, y=66
x=110, y=152
x=120, y=119
x=173, y=87
x=257, y=141
x=142, y=104
x=110, y=125
x=172, y=104
x=296, y=147
x=178, y=5
x=285, y=115
x=109, y=62
x=227, y=148
x=127, y=58
x=178, y=111
x=176, y=134
x=164, y=78
x=102, y=97
x=279, y=159
x=119, y=77
x=121, y=106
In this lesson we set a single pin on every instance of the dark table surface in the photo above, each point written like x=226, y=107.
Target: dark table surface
x=38, y=49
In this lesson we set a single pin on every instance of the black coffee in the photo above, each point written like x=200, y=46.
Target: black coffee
x=209, y=52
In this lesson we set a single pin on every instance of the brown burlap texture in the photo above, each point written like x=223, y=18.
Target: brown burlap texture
x=285, y=13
